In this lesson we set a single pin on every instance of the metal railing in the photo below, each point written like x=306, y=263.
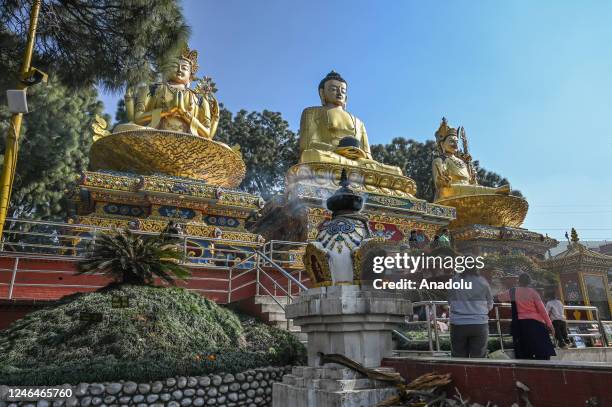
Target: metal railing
x=33, y=238
x=267, y=265
x=59, y=239
x=266, y=283
x=434, y=333
x=285, y=254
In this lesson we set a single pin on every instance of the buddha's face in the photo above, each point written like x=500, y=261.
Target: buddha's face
x=333, y=93
x=450, y=145
x=182, y=73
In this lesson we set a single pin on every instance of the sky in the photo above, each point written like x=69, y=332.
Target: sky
x=531, y=82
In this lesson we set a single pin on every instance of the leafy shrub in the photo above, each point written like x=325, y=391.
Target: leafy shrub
x=164, y=332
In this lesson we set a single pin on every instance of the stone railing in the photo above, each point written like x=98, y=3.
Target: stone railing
x=252, y=388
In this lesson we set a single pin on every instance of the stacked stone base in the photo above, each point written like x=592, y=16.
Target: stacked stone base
x=330, y=387
x=252, y=388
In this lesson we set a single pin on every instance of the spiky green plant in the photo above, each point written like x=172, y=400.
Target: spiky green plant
x=133, y=259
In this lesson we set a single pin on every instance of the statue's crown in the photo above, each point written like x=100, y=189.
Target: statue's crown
x=445, y=130
x=192, y=57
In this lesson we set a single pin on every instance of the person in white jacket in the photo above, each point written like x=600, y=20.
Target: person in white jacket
x=556, y=312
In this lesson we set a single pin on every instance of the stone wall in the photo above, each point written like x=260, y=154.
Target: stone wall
x=252, y=388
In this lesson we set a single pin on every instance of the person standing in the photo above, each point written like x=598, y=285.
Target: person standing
x=469, y=315
x=444, y=239
x=554, y=308
x=530, y=322
x=412, y=241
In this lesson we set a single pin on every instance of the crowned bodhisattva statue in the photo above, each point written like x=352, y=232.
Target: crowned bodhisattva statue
x=456, y=185
x=172, y=104
x=453, y=172
x=330, y=134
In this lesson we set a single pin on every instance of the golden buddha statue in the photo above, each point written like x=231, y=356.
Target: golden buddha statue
x=172, y=105
x=330, y=134
x=456, y=185
x=453, y=172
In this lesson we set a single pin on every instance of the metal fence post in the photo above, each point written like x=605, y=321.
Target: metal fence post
x=257, y=276
x=229, y=286
x=435, y=326
x=499, y=332
x=13, y=277
x=429, y=338
x=602, y=331
x=94, y=234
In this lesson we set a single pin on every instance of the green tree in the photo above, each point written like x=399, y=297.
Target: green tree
x=267, y=144
x=53, y=150
x=90, y=42
x=121, y=114
x=134, y=259
x=81, y=44
x=415, y=158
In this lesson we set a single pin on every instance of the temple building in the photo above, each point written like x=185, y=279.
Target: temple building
x=583, y=278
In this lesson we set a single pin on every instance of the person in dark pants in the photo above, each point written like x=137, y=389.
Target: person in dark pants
x=530, y=322
x=469, y=316
x=554, y=308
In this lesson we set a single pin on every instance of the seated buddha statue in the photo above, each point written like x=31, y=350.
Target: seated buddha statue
x=330, y=134
x=172, y=104
x=453, y=173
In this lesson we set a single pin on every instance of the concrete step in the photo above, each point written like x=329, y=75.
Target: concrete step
x=271, y=308
x=267, y=299
x=276, y=317
x=283, y=325
x=300, y=336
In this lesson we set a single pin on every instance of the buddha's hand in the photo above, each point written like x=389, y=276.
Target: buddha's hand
x=444, y=179
x=352, y=153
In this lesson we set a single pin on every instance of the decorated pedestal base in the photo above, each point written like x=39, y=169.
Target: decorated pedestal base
x=488, y=209
x=150, y=152
x=143, y=179
x=392, y=213
x=478, y=240
x=149, y=202
x=349, y=320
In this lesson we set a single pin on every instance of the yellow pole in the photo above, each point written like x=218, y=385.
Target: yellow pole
x=12, y=138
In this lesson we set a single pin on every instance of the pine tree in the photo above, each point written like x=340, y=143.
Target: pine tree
x=574, y=236
x=89, y=42
x=81, y=44
x=53, y=150
x=267, y=145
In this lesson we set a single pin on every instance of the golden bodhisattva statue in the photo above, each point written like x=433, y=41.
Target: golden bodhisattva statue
x=170, y=131
x=173, y=105
x=456, y=185
x=330, y=134
x=453, y=172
